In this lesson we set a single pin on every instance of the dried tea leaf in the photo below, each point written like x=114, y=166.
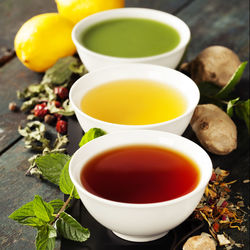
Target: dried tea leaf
x=32, y=90
x=222, y=240
x=33, y=134
x=61, y=72
x=66, y=109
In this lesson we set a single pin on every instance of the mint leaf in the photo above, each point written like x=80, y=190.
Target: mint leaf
x=57, y=205
x=66, y=185
x=231, y=105
x=242, y=111
x=45, y=239
x=70, y=229
x=51, y=166
x=42, y=209
x=225, y=91
x=25, y=215
x=90, y=135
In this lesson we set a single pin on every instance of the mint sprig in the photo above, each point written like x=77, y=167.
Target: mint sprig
x=50, y=218
x=65, y=184
x=70, y=229
x=90, y=135
x=210, y=93
x=51, y=165
x=45, y=238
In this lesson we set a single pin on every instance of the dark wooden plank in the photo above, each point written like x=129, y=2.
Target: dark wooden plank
x=14, y=13
x=218, y=22
x=17, y=189
x=170, y=6
x=13, y=76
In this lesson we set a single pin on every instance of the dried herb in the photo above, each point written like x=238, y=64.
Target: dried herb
x=218, y=211
x=60, y=74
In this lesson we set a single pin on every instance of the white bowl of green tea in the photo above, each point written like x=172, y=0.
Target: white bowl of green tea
x=131, y=35
x=140, y=183
x=134, y=96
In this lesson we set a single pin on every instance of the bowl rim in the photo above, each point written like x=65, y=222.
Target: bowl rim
x=146, y=126
x=196, y=190
x=179, y=47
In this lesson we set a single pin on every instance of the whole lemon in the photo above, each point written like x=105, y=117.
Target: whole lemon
x=43, y=39
x=75, y=10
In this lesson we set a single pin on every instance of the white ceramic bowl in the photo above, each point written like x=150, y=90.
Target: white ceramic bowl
x=93, y=60
x=157, y=73
x=141, y=222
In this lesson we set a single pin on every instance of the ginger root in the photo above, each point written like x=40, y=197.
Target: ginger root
x=214, y=128
x=200, y=242
x=214, y=64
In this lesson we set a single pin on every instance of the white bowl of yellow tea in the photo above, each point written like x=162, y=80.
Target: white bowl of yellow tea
x=130, y=35
x=134, y=96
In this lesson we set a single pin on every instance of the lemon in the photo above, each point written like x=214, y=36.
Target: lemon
x=75, y=10
x=43, y=39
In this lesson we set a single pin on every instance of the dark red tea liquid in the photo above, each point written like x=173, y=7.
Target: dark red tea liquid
x=140, y=174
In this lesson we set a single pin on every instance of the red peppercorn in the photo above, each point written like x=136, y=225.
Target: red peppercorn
x=61, y=126
x=57, y=104
x=58, y=116
x=40, y=110
x=62, y=92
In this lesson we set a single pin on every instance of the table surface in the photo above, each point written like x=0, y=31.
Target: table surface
x=212, y=22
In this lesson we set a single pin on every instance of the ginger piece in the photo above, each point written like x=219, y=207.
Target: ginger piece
x=215, y=130
x=200, y=242
x=215, y=64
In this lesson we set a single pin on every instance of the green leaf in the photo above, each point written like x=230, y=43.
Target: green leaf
x=90, y=135
x=45, y=239
x=51, y=165
x=231, y=105
x=70, y=229
x=60, y=73
x=66, y=185
x=42, y=209
x=225, y=91
x=57, y=205
x=25, y=215
x=242, y=111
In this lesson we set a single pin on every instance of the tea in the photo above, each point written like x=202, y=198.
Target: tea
x=134, y=102
x=140, y=174
x=130, y=37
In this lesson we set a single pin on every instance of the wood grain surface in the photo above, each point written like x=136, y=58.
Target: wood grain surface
x=212, y=22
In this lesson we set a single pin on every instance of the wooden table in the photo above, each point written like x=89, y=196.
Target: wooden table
x=212, y=22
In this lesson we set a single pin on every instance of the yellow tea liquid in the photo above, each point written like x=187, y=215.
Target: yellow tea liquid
x=134, y=102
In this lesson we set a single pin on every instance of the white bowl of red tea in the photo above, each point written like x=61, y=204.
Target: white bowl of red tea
x=130, y=35
x=140, y=183
x=134, y=96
